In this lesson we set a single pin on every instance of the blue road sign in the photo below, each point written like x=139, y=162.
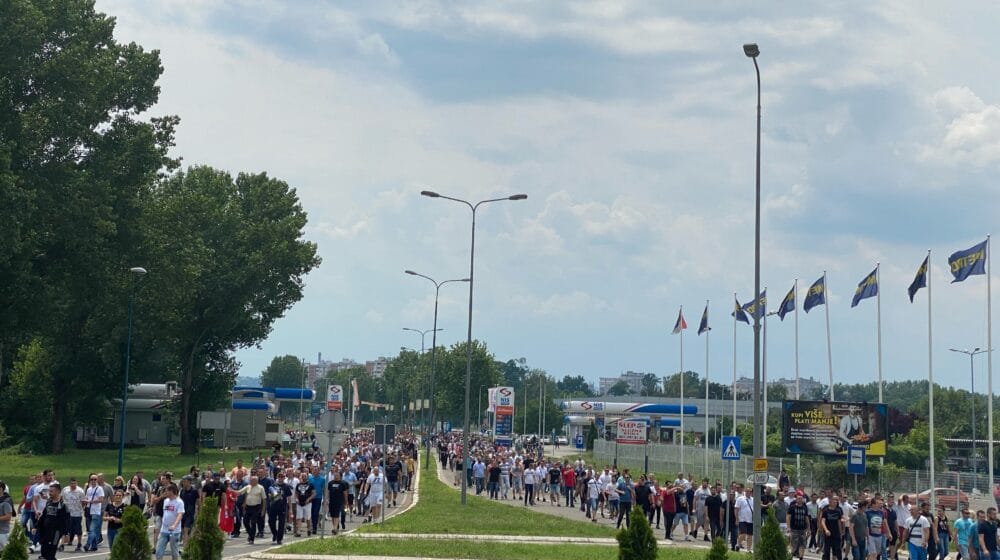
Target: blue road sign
x=856, y=458
x=731, y=448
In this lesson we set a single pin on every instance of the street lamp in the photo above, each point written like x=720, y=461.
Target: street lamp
x=422, y=335
x=135, y=271
x=437, y=292
x=972, y=375
x=468, y=347
x=752, y=51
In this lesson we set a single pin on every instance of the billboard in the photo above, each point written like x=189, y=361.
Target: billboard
x=503, y=415
x=830, y=428
x=335, y=397
x=632, y=431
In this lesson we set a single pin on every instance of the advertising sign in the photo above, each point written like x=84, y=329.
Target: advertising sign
x=335, y=397
x=631, y=431
x=504, y=400
x=830, y=428
x=503, y=416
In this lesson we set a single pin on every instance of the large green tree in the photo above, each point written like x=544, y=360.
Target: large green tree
x=574, y=386
x=77, y=153
x=284, y=371
x=229, y=260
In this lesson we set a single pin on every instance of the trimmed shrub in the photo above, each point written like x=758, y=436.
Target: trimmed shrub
x=636, y=542
x=773, y=545
x=17, y=543
x=719, y=550
x=132, y=540
x=206, y=539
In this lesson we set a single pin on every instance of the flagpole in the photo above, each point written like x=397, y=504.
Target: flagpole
x=763, y=369
x=989, y=356
x=930, y=377
x=798, y=457
x=681, y=341
x=735, y=320
x=878, y=344
x=705, y=437
x=829, y=350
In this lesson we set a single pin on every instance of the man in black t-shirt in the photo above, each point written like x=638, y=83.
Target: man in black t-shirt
x=190, y=497
x=277, y=509
x=304, y=493
x=713, y=509
x=797, y=519
x=392, y=471
x=554, y=474
x=336, y=491
x=988, y=533
x=831, y=522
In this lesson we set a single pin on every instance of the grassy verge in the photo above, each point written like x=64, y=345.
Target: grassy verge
x=81, y=462
x=473, y=549
x=439, y=511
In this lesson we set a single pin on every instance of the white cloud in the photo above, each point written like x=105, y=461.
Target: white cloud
x=971, y=134
x=375, y=46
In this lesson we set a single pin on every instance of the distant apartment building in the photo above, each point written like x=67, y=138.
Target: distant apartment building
x=806, y=385
x=632, y=378
x=376, y=368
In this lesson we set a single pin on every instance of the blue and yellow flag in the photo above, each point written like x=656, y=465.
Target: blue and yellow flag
x=739, y=314
x=968, y=262
x=753, y=309
x=816, y=294
x=787, y=304
x=920, y=280
x=703, y=327
x=868, y=287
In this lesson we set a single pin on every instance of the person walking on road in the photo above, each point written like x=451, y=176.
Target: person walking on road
x=51, y=522
x=254, y=498
x=170, y=528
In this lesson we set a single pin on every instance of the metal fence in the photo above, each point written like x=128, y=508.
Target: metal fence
x=665, y=460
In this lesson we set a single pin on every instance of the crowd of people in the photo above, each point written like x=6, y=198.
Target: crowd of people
x=866, y=526
x=277, y=493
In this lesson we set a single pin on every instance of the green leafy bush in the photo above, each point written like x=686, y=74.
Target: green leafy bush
x=132, y=541
x=17, y=544
x=207, y=539
x=773, y=545
x=636, y=542
x=719, y=550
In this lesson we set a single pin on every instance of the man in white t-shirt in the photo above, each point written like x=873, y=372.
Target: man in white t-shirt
x=93, y=500
x=170, y=530
x=376, y=490
x=701, y=520
x=72, y=496
x=744, y=513
x=917, y=533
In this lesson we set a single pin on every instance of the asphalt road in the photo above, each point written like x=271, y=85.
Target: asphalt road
x=236, y=548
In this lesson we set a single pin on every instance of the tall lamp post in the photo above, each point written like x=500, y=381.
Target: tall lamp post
x=468, y=347
x=133, y=273
x=752, y=51
x=972, y=376
x=437, y=293
x=422, y=335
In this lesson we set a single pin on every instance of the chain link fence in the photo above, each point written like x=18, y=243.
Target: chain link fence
x=814, y=472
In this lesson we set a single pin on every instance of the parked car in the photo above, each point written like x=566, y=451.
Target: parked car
x=772, y=482
x=546, y=440
x=562, y=440
x=948, y=498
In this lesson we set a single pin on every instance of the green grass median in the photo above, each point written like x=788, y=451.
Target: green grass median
x=439, y=511
x=347, y=545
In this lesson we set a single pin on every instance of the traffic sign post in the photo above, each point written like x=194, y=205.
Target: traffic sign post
x=731, y=448
x=856, y=460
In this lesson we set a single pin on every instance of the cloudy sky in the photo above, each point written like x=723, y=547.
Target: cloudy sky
x=630, y=125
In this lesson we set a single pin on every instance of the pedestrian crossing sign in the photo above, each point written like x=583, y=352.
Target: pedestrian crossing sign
x=731, y=448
